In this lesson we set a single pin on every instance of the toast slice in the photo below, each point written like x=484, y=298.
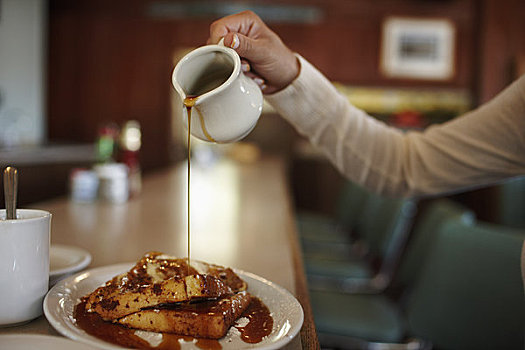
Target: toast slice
x=159, y=279
x=202, y=319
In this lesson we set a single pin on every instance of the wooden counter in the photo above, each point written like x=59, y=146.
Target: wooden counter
x=241, y=216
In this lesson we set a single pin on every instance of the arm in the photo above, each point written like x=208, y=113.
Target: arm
x=483, y=146
x=480, y=147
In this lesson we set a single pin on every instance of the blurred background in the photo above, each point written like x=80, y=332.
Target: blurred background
x=69, y=70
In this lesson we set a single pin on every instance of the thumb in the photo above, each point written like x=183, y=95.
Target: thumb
x=244, y=46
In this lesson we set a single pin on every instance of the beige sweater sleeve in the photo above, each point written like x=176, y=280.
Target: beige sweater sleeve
x=480, y=147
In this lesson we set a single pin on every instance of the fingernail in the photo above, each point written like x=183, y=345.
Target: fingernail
x=263, y=86
x=245, y=67
x=235, y=42
x=258, y=81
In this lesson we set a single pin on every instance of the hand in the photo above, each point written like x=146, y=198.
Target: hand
x=265, y=58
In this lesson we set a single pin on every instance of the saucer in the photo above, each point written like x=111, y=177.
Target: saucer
x=66, y=260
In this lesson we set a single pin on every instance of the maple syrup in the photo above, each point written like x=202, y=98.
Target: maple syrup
x=189, y=102
x=260, y=324
x=117, y=334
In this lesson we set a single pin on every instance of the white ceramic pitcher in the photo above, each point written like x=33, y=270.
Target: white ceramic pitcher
x=228, y=103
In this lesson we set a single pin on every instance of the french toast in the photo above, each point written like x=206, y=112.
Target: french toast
x=203, y=319
x=162, y=295
x=158, y=279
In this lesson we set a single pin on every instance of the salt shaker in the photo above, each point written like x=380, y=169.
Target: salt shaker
x=113, y=182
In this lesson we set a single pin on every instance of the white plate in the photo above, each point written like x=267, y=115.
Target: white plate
x=66, y=260
x=38, y=341
x=286, y=311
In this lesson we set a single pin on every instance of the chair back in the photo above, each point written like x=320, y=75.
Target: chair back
x=469, y=292
x=350, y=203
x=423, y=234
x=511, y=202
x=384, y=225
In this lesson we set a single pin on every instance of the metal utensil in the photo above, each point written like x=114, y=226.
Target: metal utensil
x=10, y=191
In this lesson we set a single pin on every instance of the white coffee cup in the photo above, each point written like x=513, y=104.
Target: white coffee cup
x=24, y=265
x=228, y=103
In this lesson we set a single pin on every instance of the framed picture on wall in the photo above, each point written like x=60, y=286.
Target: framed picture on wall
x=414, y=48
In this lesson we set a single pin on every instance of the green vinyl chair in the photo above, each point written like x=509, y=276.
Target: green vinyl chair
x=349, y=320
x=469, y=294
x=382, y=227
x=465, y=292
x=424, y=233
x=511, y=202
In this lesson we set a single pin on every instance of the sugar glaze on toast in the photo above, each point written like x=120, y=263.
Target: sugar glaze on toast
x=163, y=294
x=159, y=279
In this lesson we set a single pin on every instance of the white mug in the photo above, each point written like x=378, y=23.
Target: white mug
x=24, y=265
x=228, y=103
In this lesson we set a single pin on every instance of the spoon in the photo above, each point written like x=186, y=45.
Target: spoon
x=10, y=192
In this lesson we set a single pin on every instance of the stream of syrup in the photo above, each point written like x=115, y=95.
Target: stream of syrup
x=189, y=102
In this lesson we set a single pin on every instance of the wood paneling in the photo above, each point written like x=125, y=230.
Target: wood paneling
x=104, y=69
x=112, y=61
x=502, y=45
x=345, y=45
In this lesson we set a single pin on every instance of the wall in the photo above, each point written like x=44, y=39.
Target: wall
x=502, y=45
x=108, y=63
x=112, y=60
x=345, y=44
x=22, y=94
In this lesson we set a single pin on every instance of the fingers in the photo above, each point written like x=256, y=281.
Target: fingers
x=272, y=64
x=257, y=79
x=217, y=31
x=232, y=40
x=242, y=22
x=245, y=66
x=253, y=50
